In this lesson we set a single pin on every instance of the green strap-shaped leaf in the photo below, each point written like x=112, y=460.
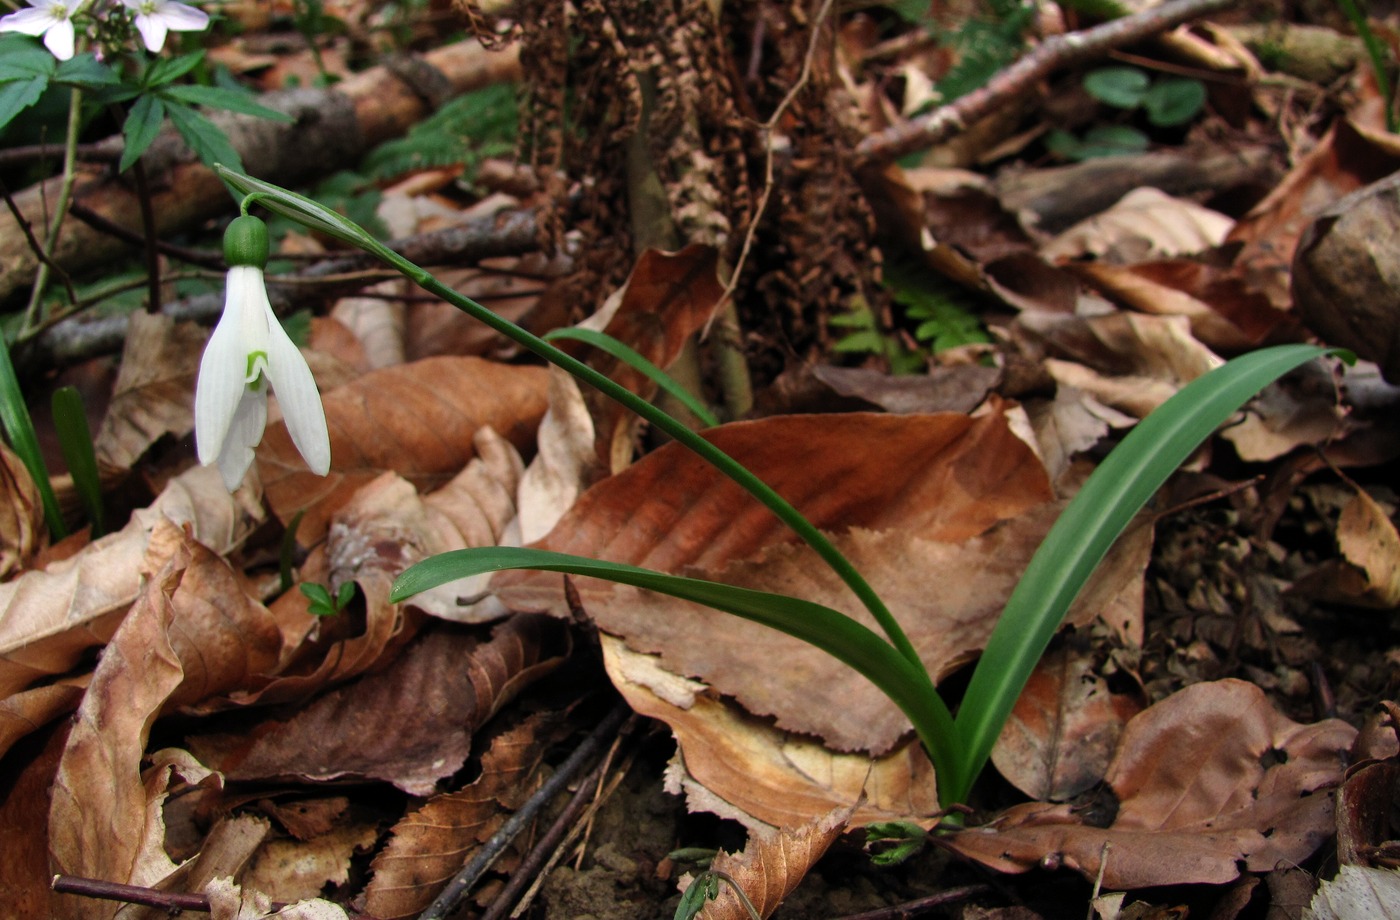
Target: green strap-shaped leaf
x=75, y=440
x=1115, y=492
x=627, y=355
x=829, y=630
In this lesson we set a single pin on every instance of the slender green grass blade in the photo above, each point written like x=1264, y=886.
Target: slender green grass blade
x=626, y=354
x=829, y=630
x=19, y=429
x=1078, y=541
x=75, y=440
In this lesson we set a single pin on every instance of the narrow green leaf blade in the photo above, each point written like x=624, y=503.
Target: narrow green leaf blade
x=1078, y=541
x=75, y=440
x=19, y=429
x=629, y=356
x=829, y=630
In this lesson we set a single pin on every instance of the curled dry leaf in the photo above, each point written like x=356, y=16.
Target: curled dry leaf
x=22, y=525
x=409, y=724
x=772, y=865
x=230, y=901
x=1357, y=891
x=418, y=420
x=102, y=823
x=1207, y=783
x=1146, y=223
x=1064, y=728
x=291, y=870
x=50, y=618
x=741, y=767
x=430, y=845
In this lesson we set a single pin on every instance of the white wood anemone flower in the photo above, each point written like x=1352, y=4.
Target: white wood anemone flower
x=248, y=353
x=156, y=18
x=52, y=19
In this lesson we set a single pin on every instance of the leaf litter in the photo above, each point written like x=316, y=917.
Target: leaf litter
x=226, y=741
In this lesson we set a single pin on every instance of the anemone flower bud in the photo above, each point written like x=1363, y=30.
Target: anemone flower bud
x=247, y=353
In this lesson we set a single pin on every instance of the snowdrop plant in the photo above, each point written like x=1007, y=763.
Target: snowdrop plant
x=959, y=747
x=249, y=353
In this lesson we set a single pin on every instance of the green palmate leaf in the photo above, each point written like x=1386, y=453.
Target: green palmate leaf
x=22, y=59
x=85, y=71
x=204, y=137
x=75, y=440
x=18, y=95
x=1174, y=101
x=905, y=683
x=1078, y=541
x=1121, y=87
x=624, y=353
x=1111, y=141
x=141, y=128
x=216, y=97
x=167, y=70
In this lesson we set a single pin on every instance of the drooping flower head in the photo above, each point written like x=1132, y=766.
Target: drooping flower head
x=52, y=19
x=249, y=352
x=156, y=18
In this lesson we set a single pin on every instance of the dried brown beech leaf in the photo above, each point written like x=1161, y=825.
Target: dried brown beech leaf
x=416, y=419
x=935, y=478
x=565, y=463
x=409, y=724
x=31, y=709
x=431, y=845
x=22, y=526
x=1357, y=891
x=1146, y=223
x=26, y=775
x=229, y=901
x=50, y=618
x=1210, y=781
x=101, y=823
x=772, y=865
x=1064, y=729
x=740, y=767
x=154, y=392
x=1367, y=537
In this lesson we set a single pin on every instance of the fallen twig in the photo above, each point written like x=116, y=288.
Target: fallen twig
x=1055, y=52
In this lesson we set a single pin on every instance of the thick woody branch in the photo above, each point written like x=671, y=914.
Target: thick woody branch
x=1053, y=54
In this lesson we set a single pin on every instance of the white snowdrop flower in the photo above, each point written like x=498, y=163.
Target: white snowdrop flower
x=52, y=19
x=248, y=352
x=156, y=18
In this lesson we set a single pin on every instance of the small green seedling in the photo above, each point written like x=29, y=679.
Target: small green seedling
x=890, y=843
x=705, y=886
x=322, y=604
x=1167, y=102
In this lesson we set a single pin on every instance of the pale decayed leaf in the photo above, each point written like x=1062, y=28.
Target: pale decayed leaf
x=51, y=617
x=154, y=392
x=1357, y=891
x=1207, y=783
x=1367, y=537
x=230, y=901
x=1145, y=223
x=560, y=470
x=291, y=870
x=772, y=865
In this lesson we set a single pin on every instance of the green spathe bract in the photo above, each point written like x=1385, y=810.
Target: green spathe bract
x=959, y=747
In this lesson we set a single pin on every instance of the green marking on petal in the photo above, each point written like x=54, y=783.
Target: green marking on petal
x=257, y=360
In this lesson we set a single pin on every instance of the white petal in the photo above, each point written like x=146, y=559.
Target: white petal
x=152, y=29
x=223, y=371
x=30, y=22
x=297, y=395
x=244, y=434
x=59, y=40
x=180, y=17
